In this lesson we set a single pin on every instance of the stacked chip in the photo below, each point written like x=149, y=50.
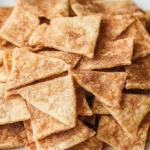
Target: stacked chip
x=74, y=75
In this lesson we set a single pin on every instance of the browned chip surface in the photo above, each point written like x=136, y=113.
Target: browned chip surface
x=109, y=54
x=91, y=144
x=55, y=97
x=46, y=8
x=31, y=146
x=76, y=34
x=69, y=58
x=44, y=125
x=19, y=26
x=99, y=108
x=29, y=67
x=141, y=38
x=3, y=74
x=107, y=87
x=110, y=132
x=139, y=74
x=133, y=109
x=66, y=139
x=12, y=136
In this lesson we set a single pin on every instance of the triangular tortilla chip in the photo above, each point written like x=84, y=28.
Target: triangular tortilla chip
x=1, y=58
x=99, y=108
x=13, y=109
x=2, y=90
x=46, y=8
x=12, y=136
x=55, y=97
x=109, y=54
x=107, y=87
x=90, y=119
x=66, y=139
x=31, y=146
x=138, y=74
x=29, y=131
x=133, y=109
x=110, y=132
x=73, y=34
x=91, y=144
x=88, y=7
x=148, y=136
x=71, y=59
x=29, y=67
x=3, y=74
x=44, y=125
x=19, y=26
x=141, y=39
x=11, y=93
x=83, y=108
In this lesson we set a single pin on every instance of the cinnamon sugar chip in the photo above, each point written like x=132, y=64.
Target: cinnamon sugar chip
x=3, y=74
x=11, y=93
x=31, y=146
x=29, y=131
x=138, y=74
x=44, y=125
x=128, y=115
x=69, y=58
x=19, y=26
x=29, y=67
x=91, y=144
x=88, y=7
x=107, y=87
x=99, y=108
x=12, y=110
x=55, y=98
x=90, y=119
x=109, y=54
x=141, y=39
x=110, y=132
x=2, y=90
x=46, y=8
x=12, y=136
x=76, y=34
x=83, y=108
x=66, y=139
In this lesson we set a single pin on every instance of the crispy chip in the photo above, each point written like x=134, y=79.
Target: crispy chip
x=10, y=93
x=3, y=74
x=31, y=146
x=133, y=109
x=2, y=90
x=44, y=125
x=1, y=58
x=46, y=8
x=141, y=39
x=50, y=96
x=29, y=131
x=19, y=27
x=110, y=132
x=107, y=87
x=109, y=54
x=138, y=74
x=12, y=110
x=91, y=144
x=83, y=108
x=66, y=139
x=90, y=119
x=76, y=34
x=71, y=59
x=29, y=67
x=12, y=136
x=99, y=108
x=88, y=7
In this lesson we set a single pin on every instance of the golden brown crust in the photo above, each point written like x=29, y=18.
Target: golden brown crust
x=19, y=27
x=128, y=115
x=46, y=8
x=29, y=67
x=31, y=146
x=66, y=139
x=109, y=54
x=12, y=136
x=110, y=132
x=138, y=74
x=50, y=96
x=99, y=83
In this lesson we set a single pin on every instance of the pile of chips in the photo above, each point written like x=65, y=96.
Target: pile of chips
x=74, y=75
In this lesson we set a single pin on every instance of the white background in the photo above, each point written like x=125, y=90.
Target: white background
x=145, y=4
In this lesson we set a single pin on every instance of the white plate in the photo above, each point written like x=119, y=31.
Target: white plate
x=145, y=4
